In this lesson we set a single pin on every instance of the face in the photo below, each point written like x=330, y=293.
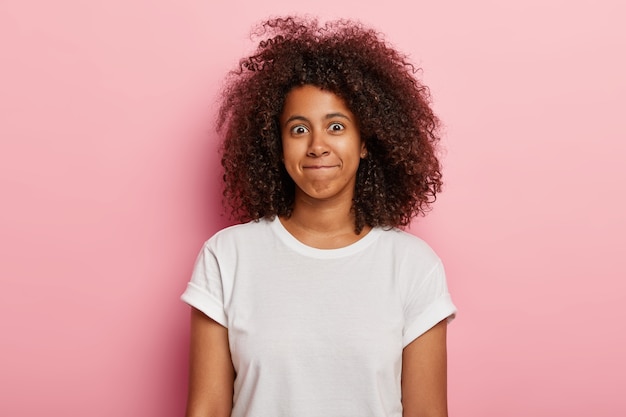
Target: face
x=322, y=147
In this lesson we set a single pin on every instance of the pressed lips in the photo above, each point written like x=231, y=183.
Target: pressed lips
x=319, y=166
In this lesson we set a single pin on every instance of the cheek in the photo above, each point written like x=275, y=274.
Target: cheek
x=290, y=161
x=292, y=150
x=352, y=151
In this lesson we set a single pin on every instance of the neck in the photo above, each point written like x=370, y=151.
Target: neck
x=323, y=224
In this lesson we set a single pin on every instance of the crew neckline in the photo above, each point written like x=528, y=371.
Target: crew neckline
x=293, y=243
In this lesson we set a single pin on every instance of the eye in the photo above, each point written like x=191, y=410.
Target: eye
x=336, y=127
x=298, y=130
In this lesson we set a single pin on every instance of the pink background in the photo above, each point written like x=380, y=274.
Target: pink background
x=107, y=176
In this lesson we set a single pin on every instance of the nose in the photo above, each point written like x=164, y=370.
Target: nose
x=317, y=145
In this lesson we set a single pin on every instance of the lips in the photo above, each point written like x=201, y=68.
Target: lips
x=319, y=166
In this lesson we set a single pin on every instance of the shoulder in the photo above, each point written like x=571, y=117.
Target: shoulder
x=408, y=244
x=409, y=256
x=232, y=236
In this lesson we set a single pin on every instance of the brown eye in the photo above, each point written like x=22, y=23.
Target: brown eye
x=336, y=127
x=299, y=130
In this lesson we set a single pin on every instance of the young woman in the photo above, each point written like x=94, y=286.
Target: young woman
x=317, y=304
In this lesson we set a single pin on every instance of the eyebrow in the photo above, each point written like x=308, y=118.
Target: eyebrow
x=328, y=116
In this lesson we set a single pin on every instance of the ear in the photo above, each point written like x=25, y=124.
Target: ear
x=363, y=150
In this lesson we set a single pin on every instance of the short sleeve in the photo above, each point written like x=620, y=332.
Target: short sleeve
x=427, y=303
x=205, y=291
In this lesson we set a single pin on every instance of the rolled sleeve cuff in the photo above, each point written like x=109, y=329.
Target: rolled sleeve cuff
x=204, y=301
x=441, y=309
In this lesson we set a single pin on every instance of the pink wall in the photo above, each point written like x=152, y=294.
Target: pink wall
x=106, y=176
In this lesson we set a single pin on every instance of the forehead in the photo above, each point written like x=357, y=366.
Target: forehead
x=313, y=102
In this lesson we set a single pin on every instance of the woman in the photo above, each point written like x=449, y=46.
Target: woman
x=317, y=304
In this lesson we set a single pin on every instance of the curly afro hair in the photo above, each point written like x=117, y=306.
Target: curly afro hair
x=400, y=176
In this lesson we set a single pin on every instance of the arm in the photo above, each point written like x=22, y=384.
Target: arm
x=424, y=379
x=211, y=373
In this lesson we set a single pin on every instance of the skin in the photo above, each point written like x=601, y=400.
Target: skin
x=322, y=149
x=211, y=373
x=424, y=374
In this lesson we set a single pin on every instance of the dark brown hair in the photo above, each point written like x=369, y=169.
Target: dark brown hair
x=401, y=174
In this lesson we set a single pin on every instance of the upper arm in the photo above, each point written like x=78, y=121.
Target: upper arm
x=211, y=373
x=424, y=374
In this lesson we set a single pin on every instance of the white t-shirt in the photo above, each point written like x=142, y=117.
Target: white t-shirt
x=318, y=332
